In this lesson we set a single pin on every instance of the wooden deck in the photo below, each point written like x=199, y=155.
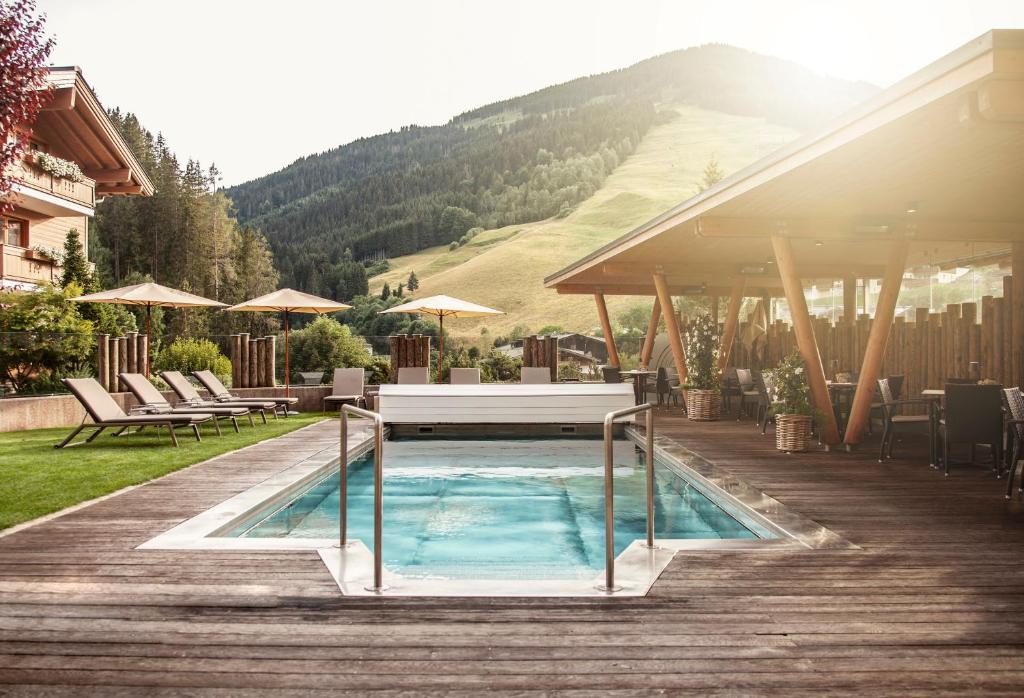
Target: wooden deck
x=931, y=605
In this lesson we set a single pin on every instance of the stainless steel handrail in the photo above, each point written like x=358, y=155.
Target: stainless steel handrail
x=378, y=489
x=609, y=488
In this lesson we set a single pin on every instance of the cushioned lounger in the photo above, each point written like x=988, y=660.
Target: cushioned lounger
x=347, y=387
x=105, y=412
x=221, y=394
x=152, y=402
x=188, y=393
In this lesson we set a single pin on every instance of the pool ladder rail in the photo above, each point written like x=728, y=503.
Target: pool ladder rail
x=378, y=490
x=608, y=587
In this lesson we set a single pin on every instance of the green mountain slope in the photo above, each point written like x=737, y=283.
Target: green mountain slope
x=510, y=163
x=504, y=268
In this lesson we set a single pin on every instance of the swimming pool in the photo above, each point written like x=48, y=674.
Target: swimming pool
x=523, y=508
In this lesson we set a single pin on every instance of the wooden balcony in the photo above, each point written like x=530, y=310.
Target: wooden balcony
x=31, y=176
x=22, y=265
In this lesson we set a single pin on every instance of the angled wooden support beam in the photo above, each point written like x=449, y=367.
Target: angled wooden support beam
x=885, y=310
x=109, y=175
x=60, y=99
x=606, y=326
x=668, y=312
x=732, y=321
x=805, y=337
x=652, y=333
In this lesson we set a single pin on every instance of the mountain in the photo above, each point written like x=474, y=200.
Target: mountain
x=510, y=163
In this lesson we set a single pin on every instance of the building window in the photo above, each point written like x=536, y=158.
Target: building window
x=15, y=232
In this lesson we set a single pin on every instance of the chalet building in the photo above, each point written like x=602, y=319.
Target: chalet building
x=76, y=158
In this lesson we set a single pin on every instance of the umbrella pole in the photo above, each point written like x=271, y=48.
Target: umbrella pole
x=440, y=350
x=149, y=339
x=286, y=353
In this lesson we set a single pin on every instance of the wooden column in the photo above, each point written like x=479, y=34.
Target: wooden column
x=732, y=321
x=114, y=364
x=849, y=299
x=805, y=336
x=261, y=362
x=133, y=366
x=1016, y=308
x=102, y=357
x=142, y=347
x=236, y=361
x=271, y=361
x=244, y=372
x=606, y=326
x=122, y=362
x=885, y=309
x=652, y=333
x=671, y=326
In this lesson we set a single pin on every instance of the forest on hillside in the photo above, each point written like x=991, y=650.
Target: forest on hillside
x=515, y=161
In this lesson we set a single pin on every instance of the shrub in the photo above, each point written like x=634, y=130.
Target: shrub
x=792, y=394
x=499, y=367
x=325, y=344
x=570, y=371
x=701, y=339
x=379, y=370
x=44, y=336
x=191, y=354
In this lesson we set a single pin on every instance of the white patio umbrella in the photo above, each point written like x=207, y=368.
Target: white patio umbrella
x=288, y=301
x=149, y=295
x=442, y=307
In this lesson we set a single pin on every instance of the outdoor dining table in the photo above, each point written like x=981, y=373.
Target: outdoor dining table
x=639, y=377
x=842, y=400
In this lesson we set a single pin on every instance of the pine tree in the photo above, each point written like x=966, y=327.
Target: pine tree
x=713, y=174
x=400, y=291
x=385, y=292
x=413, y=283
x=75, y=266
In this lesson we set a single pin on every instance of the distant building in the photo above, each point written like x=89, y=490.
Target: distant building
x=76, y=157
x=572, y=346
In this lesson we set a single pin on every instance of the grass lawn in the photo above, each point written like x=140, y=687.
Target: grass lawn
x=37, y=479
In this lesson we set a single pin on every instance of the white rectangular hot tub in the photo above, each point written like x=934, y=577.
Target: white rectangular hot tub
x=499, y=403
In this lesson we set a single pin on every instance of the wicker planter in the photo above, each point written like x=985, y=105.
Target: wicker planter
x=703, y=405
x=792, y=432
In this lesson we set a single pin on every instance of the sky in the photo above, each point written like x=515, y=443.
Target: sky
x=253, y=85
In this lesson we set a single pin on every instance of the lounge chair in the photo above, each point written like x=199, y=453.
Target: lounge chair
x=534, y=375
x=220, y=393
x=187, y=393
x=106, y=413
x=412, y=375
x=151, y=401
x=348, y=388
x=465, y=376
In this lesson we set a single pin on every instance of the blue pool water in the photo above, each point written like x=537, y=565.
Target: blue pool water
x=527, y=509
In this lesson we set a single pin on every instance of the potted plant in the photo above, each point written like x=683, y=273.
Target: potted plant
x=702, y=391
x=794, y=413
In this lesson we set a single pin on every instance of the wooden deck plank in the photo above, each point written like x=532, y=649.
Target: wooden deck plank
x=931, y=602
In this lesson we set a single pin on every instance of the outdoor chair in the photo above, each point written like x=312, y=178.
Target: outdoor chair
x=896, y=386
x=347, y=388
x=748, y=391
x=973, y=415
x=464, y=376
x=765, y=390
x=611, y=374
x=220, y=393
x=534, y=375
x=730, y=387
x=106, y=413
x=188, y=394
x=667, y=386
x=1013, y=400
x=892, y=418
x=151, y=401
x=412, y=375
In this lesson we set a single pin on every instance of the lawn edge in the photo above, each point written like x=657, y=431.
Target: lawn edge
x=95, y=500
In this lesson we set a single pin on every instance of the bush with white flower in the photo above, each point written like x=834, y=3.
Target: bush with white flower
x=701, y=339
x=59, y=167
